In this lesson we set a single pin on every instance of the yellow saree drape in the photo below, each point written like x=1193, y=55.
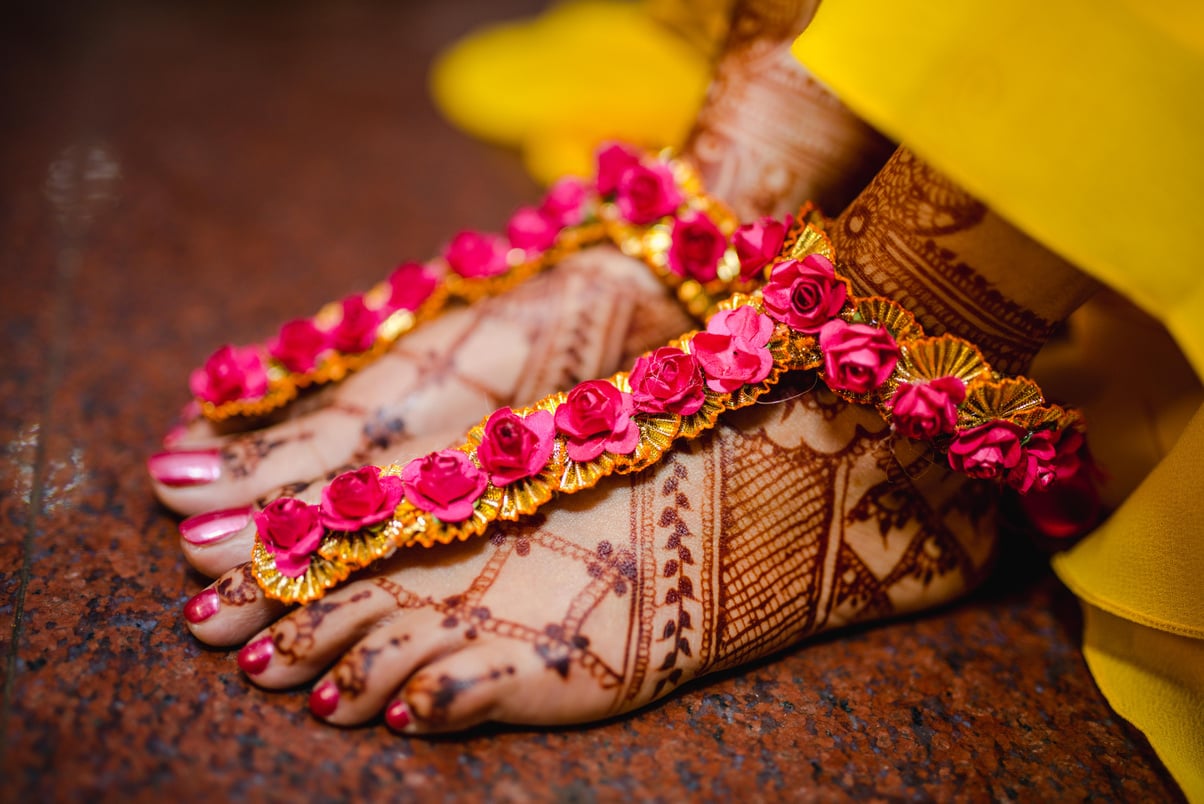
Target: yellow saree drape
x=1082, y=122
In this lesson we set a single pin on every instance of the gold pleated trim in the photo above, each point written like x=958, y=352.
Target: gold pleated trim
x=879, y=312
x=932, y=358
x=321, y=575
x=358, y=548
x=998, y=399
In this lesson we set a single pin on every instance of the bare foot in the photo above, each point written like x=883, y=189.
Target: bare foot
x=790, y=519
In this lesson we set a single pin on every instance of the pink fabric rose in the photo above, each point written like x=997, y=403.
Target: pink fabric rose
x=473, y=255
x=857, y=357
x=595, y=418
x=804, y=295
x=299, y=344
x=646, y=193
x=1036, y=467
x=1070, y=506
x=356, y=330
x=1072, y=457
x=515, y=448
x=443, y=483
x=924, y=410
x=613, y=160
x=410, y=285
x=758, y=243
x=667, y=381
x=291, y=532
x=357, y=499
x=531, y=230
x=564, y=203
x=230, y=373
x=696, y=248
x=987, y=451
x=734, y=350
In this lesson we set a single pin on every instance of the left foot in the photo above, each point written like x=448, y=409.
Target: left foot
x=790, y=519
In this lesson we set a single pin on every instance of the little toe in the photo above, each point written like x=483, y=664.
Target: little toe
x=231, y=609
x=361, y=683
x=497, y=680
x=459, y=691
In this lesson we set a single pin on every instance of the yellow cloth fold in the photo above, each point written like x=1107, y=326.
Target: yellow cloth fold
x=1081, y=122
x=557, y=85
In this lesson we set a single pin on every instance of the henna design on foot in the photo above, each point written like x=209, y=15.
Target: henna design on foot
x=244, y=453
x=769, y=136
x=295, y=636
x=901, y=239
x=239, y=590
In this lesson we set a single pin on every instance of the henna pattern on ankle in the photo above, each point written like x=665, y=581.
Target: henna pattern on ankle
x=777, y=528
x=893, y=240
x=769, y=136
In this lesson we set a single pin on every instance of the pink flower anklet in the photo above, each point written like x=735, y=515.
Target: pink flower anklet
x=868, y=350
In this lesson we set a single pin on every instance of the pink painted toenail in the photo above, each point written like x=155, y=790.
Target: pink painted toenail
x=324, y=699
x=174, y=436
x=254, y=658
x=397, y=715
x=186, y=468
x=202, y=606
x=213, y=526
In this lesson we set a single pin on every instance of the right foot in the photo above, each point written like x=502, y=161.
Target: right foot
x=584, y=318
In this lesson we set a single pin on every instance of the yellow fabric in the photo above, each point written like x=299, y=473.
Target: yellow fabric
x=1081, y=122
x=557, y=85
x=1007, y=96
x=1159, y=676
x=1166, y=512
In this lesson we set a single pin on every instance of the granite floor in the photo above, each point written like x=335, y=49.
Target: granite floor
x=178, y=175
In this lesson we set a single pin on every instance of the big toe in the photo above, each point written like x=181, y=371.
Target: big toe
x=245, y=467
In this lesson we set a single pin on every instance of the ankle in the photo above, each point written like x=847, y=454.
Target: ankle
x=769, y=136
x=916, y=237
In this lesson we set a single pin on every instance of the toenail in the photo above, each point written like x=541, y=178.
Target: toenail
x=397, y=716
x=254, y=657
x=202, y=606
x=213, y=526
x=174, y=436
x=324, y=699
x=185, y=468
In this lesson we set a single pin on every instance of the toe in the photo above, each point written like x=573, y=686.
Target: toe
x=248, y=466
x=299, y=646
x=500, y=680
x=231, y=609
x=361, y=683
x=459, y=691
x=217, y=541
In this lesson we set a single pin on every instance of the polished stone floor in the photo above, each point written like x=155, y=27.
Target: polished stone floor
x=178, y=175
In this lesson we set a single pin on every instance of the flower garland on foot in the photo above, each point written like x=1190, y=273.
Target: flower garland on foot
x=653, y=207
x=868, y=350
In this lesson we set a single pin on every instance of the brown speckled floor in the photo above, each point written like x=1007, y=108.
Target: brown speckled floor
x=177, y=176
